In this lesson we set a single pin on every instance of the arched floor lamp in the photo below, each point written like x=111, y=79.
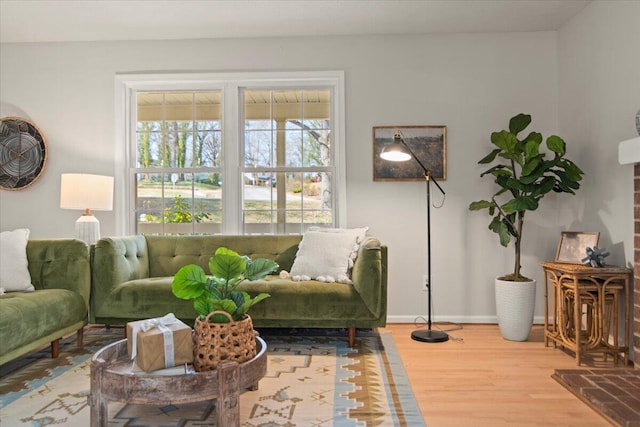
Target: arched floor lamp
x=399, y=151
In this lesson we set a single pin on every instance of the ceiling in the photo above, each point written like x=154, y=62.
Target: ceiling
x=91, y=20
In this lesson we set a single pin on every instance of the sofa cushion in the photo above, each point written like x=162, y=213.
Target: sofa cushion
x=305, y=301
x=28, y=316
x=293, y=301
x=14, y=266
x=145, y=298
x=327, y=255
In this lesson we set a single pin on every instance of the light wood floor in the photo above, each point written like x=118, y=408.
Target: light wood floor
x=485, y=380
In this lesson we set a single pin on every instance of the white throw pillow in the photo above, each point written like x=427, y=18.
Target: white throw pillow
x=14, y=266
x=326, y=255
x=358, y=234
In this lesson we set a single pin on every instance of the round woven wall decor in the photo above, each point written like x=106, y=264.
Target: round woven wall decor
x=23, y=153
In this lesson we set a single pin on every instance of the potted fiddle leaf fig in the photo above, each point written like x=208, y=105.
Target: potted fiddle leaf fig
x=223, y=330
x=523, y=176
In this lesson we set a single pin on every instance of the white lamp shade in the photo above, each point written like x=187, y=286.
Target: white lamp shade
x=395, y=153
x=85, y=191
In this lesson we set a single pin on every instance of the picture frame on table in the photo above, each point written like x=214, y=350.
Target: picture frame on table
x=429, y=143
x=573, y=245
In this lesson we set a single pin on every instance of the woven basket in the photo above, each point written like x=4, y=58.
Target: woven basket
x=214, y=343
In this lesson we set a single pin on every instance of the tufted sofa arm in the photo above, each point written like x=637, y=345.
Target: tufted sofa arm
x=116, y=260
x=60, y=264
x=370, y=276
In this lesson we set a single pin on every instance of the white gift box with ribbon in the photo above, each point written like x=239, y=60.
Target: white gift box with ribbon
x=158, y=343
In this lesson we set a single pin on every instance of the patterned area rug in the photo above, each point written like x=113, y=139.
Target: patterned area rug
x=310, y=381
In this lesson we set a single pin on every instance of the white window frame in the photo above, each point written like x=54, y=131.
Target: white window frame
x=127, y=85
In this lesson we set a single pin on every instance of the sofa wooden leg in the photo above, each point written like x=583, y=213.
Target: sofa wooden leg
x=352, y=337
x=55, y=348
x=80, y=335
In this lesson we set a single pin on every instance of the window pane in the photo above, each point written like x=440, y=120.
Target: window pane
x=178, y=129
x=286, y=202
x=287, y=129
x=259, y=147
x=208, y=149
x=294, y=148
x=317, y=148
x=174, y=202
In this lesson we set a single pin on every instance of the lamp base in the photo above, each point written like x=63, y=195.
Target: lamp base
x=88, y=229
x=428, y=335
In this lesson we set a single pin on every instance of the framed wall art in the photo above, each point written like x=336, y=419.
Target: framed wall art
x=573, y=245
x=429, y=143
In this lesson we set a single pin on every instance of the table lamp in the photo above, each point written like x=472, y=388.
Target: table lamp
x=86, y=192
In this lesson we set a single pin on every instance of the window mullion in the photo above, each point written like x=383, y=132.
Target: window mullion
x=231, y=138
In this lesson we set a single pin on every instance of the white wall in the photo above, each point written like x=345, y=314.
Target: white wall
x=599, y=81
x=472, y=83
x=599, y=74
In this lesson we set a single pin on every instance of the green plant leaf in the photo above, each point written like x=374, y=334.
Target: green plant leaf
x=503, y=181
x=573, y=172
x=516, y=156
x=239, y=298
x=497, y=170
x=227, y=264
x=534, y=175
x=565, y=183
x=202, y=306
x=505, y=141
x=519, y=123
x=500, y=228
x=189, y=282
x=259, y=268
x=490, y=157
x=557, y=145
x=533, y=137
x=532, y=149
x=227, y=305
x=514, y=184
x=530, y=166
x=480, y=204
x=545, y=186
x=526, y=203
x=249, y=302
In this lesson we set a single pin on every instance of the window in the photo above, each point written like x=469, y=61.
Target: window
x=227, y=154
x=288, y=163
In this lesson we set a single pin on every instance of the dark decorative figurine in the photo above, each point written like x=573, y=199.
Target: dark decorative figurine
x=595, y=257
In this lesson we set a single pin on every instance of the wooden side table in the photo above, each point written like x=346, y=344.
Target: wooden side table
x=589, y=297
x=112, y=379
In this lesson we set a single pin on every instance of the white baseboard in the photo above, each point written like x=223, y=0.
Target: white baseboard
x=422, y=320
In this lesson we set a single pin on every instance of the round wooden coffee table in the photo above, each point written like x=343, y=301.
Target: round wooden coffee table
x=112, y=379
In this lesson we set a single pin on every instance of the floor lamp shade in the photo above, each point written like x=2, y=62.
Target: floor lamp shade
x=86, y=192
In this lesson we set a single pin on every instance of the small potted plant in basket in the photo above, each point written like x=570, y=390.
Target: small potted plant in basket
x=223, y=330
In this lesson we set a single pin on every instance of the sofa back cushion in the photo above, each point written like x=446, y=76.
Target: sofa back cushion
x=167, y=254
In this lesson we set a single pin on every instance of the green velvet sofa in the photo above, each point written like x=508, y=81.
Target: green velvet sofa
x=132, y=275
x=60, y=271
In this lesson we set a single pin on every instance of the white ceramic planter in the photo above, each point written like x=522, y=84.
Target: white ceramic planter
x=515, y=302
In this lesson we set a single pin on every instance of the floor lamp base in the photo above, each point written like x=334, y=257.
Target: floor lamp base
x=428, y=335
